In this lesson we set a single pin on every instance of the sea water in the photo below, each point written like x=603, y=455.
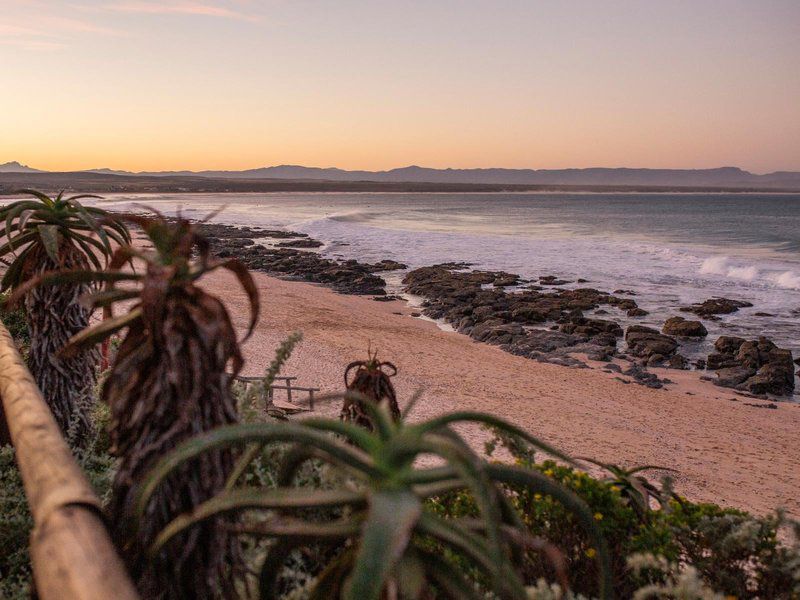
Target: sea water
x=671, y=249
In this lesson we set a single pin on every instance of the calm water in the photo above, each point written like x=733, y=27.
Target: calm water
x=672, y=249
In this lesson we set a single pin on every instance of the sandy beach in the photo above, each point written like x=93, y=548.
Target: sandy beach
x=724, y=450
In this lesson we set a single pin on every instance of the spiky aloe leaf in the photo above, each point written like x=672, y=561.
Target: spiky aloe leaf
x=252, y=433
x=492, y=421
x=98, y=333
x=392, y=516
x=238, y=500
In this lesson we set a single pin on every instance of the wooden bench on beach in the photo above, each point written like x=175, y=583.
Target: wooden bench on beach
x=288, y=386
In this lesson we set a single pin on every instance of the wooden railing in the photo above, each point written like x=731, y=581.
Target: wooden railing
x=72, y=555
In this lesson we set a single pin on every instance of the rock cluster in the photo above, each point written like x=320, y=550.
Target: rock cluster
x=476, y=304
x=756, y=366
x=716, y=306
x=347, y=277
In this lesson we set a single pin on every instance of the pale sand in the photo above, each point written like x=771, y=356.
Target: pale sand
x=725, y=451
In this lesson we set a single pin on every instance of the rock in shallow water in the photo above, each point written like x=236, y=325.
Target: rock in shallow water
x=716, y=306
x=678, y=326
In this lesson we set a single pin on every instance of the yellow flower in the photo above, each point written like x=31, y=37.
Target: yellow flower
x=614, y=488
x=549, y=472
x=591, y=552
x=598, y=516
x=537, y=496
x=577, y=484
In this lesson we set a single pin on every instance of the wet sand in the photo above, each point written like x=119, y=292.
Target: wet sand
x=724, y=451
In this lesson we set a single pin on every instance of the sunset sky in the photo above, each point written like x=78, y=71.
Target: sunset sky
x=185, y=84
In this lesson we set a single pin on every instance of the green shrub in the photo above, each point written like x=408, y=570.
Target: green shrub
x=14, y=320
x=15, y=518
x=15, y=526
x=728, y=550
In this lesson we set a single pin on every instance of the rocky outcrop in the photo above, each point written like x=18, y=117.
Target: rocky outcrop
x=645, y=342
x=716, y=306
x=386, y=265
x=680, y=327
x=478, y=304
x=756, y=366
x=347, y=277
x=300, y=243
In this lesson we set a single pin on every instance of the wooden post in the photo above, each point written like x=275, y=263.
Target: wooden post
x=72, y=555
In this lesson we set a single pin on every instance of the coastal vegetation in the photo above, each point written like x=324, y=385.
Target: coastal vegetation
x=209, y=498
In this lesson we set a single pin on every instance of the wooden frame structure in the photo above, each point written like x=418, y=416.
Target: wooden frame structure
x=72, y=555
x=268, y=400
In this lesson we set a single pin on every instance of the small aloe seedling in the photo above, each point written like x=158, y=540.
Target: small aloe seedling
x=392, y=543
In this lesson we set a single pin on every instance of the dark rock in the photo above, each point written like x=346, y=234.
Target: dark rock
x=637, y=312
x=733, y=376
x=348, y=277
x=716, y=306
x=387, y=265
x=763, y=314
x=678, y=326
x=591, y=327
x=678, y=361
x=552, y=280
x=301, y=243
x=728, y=344
x=389, y=298
x=755, y=366
x=496, y=333
x=646, y=341
x=643, y=377
x=506, y=280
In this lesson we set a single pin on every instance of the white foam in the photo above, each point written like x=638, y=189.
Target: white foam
x=715, y=265
x=721, y=265
x=787, y=279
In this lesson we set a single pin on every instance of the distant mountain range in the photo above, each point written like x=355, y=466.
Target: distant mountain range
x=15, y=167
x=729, y=177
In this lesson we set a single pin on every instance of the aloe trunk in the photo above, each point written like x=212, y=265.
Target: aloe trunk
x=169, y=383
x=54, y=314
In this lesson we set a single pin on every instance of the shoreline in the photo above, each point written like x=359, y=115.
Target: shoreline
x=690, y=426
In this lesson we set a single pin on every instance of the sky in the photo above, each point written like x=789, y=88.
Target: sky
x=236, y=84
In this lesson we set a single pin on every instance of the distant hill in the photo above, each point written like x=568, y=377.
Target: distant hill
x=723, y=177
x=15, y=167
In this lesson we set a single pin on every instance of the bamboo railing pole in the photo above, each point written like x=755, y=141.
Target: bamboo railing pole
x=72, y=554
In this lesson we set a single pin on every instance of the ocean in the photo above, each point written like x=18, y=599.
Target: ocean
x=671, y=249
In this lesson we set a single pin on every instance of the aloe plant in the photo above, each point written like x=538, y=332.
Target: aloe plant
x=393, y=544
x=169, y=381
x=371, y=382
x=635, y=487
x=43, y=234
